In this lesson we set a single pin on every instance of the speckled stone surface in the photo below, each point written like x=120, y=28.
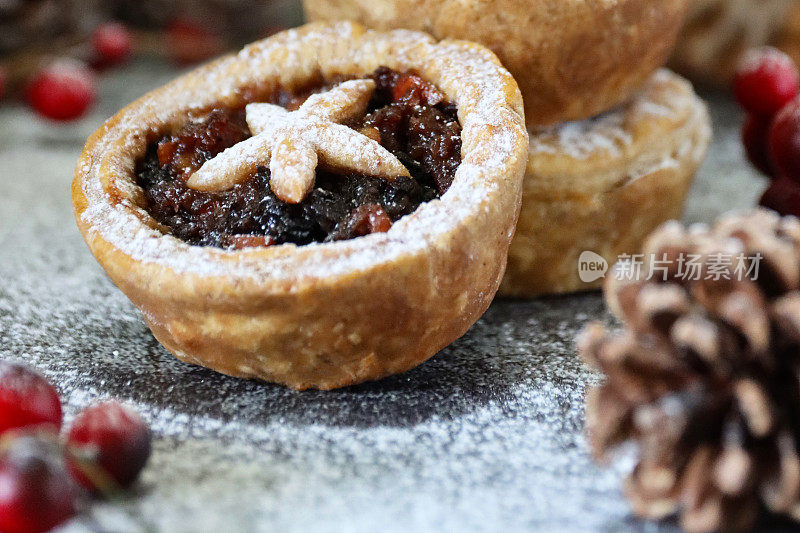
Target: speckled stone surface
x=485, y=436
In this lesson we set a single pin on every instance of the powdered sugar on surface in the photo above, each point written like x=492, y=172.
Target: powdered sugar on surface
x=610, y=132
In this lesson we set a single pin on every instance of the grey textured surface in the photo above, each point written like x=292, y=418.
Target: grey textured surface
x=485, y=436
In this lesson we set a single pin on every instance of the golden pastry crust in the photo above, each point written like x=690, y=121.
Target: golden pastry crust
x=321, y=315
x=604, y=184
x=717, y=32
x=572, y=59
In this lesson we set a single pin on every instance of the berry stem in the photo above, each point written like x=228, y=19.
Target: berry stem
x=101, y=480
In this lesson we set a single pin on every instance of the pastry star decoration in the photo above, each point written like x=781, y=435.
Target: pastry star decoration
x=295, y=142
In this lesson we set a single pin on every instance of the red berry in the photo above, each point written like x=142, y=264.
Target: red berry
x=112, y=43
x=191, y=42
x=63, y=91
x=784, y=141
x=765, y=81
x=116, y=439
x=26, y=399
x=783, y=196
x=36, y=493
x=755, y=136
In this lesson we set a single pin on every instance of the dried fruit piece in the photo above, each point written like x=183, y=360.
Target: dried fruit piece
x=27, y=399
x=197, y=142
x=240, y=242
x=377, y=219
x=415, y=90
x=363, y=220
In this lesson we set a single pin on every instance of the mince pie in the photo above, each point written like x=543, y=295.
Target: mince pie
x=329, y=206
x=572, y=59
x=718, y=32
x=602, y=185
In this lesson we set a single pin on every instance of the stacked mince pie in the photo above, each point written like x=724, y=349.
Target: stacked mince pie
x=614, y=141
x=336, y=204
x=718, y=32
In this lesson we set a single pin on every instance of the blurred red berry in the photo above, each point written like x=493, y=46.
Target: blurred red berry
x=191, y=42
x=116, y=440
x=63, y=91
x=755, y=136
x=112, y=43
x=765, y=81
x=784, y=141
x=27, y=399
x=36, y=493
x=783, y=196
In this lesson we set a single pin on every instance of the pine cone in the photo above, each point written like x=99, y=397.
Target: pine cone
x=705, y=377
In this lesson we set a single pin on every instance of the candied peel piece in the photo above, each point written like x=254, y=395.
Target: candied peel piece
x=295, y=142
x=363, y=220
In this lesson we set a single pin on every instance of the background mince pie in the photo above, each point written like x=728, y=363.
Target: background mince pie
x=329, y=206
x=717, y=32
x=572, y=59
x=604, y=184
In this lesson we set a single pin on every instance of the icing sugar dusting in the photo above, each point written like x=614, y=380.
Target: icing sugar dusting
x=581, y=139
x=610, y=131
